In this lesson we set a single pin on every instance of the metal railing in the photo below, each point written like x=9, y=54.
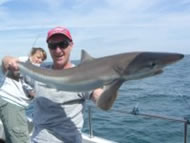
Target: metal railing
x=135, y=111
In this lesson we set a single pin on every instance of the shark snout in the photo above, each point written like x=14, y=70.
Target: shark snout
x=180, y=56
x=171, y=58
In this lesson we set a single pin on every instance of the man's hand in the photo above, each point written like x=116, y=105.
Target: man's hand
x=10, y=63
x=96, y=94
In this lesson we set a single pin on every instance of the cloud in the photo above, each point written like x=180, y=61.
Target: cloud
x=4, y=1
x=108, y=26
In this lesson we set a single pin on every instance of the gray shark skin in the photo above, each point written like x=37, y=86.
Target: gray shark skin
x=107, y=72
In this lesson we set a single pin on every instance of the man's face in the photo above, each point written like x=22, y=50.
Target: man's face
x=60, y=49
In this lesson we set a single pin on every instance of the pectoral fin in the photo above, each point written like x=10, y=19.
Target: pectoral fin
x=109, y=95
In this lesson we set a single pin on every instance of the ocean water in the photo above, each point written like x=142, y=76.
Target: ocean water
x=167, y=94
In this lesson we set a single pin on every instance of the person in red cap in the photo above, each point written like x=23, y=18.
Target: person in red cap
x=60, y=44
x=58, y=115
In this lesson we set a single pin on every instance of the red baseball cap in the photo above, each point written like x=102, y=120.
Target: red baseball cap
x=59, y=30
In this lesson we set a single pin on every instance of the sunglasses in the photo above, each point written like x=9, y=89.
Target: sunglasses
x=62, y=45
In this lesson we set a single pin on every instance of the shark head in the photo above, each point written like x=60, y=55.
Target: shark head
x=146, y=64
x=132, y=66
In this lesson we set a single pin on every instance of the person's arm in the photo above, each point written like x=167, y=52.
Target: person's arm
x=28, y=87
x=10, y=63
x=10, y=67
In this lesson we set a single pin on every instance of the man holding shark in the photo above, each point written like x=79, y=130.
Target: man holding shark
x=58, y=115
x=62, y=89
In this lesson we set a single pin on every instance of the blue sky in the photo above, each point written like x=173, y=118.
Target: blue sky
x=101, y=27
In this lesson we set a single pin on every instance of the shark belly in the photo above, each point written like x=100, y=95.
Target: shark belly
x=67, y=85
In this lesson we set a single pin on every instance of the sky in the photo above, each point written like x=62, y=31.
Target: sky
x=101, y=27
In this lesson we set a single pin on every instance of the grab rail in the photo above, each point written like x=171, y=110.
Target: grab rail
x=135, y=111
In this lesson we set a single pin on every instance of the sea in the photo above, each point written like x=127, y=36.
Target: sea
x=165, y=95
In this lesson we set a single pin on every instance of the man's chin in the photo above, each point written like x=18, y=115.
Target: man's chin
x=59, y=61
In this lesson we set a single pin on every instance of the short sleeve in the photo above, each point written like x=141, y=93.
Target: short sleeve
x=23, y=59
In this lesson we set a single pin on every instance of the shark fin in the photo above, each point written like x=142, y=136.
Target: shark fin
x=109, y=95
x=85, y=56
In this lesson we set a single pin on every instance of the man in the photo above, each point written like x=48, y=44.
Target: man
x=58, y=115
x=14, y=98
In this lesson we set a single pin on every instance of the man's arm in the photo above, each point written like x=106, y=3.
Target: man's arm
x=10, y=63
x=10, y=67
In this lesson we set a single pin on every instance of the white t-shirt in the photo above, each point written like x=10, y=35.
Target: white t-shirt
x=58, y=115
x=12, y=91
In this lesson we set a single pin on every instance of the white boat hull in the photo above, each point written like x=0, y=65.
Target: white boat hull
x=86, y=138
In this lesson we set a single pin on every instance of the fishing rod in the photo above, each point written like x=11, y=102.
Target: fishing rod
x=35, y=40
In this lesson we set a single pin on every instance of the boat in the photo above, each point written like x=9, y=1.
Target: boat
x=90, y=138
x=86, y=138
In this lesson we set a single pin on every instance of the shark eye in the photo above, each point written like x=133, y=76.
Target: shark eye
x=152, y=64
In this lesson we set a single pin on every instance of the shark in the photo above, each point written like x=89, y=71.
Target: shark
x=108, y=72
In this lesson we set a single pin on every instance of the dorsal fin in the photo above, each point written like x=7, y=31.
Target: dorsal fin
x=85, y=56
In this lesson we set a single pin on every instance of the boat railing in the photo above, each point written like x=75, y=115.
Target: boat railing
x=135, y=111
